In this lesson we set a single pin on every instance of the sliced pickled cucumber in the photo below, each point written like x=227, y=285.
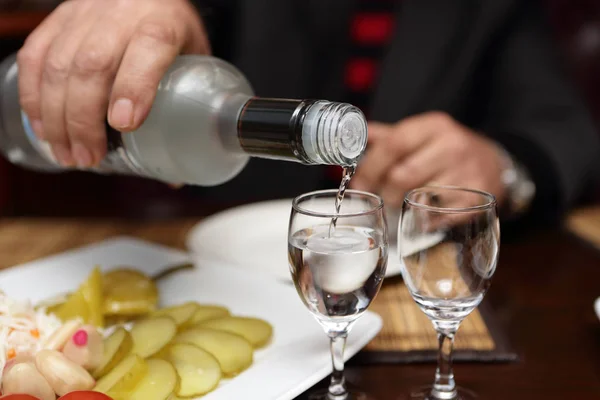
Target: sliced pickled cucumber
x=152, y=335
x=159, y=383
x=181, y=314
x=199, y=372
x=206, y=312
x=116, y=347
x=85, y=303
x=53, y=303
x=233, y=352
x=257, y=331
x=129, y=292
x=91, y=290
x=124, y=377
x=75, y=307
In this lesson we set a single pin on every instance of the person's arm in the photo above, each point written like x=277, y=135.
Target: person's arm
x=538, y=117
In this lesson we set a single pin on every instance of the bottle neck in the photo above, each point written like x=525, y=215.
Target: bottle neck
x=308, y=131
x=272, y=128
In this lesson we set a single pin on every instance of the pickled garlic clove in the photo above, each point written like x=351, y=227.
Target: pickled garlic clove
x=24, y=357
x=63, y=374
x=59, y=338
x=24, y=378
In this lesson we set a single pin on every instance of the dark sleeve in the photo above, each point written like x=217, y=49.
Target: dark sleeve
x=539, y=117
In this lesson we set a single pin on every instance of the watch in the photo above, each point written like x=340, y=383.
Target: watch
x=520, y=189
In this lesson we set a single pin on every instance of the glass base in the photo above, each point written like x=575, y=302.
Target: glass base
x=424, y=393
x=351, y=395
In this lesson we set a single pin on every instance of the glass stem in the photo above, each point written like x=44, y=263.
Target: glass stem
x=444, y=387
x=337, y=386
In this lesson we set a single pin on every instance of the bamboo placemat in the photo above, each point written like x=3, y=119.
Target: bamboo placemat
x=408, y=335
x=406, y=328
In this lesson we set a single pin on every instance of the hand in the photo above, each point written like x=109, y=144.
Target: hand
x=430, y=148
x=91, y=58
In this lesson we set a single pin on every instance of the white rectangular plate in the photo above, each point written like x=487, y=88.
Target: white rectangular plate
x=298, y=356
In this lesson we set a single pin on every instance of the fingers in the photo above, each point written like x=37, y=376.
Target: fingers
x=414, y=171
x=373, y=166
x=403, y=139
x=152, y=49
x=53, y=90
x=197, y=37
x=378, y=131
x=31, y=59
x=89, y=85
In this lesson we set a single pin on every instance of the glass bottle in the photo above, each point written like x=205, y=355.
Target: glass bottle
x=204, y=125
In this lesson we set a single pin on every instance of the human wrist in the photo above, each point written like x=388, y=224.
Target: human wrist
x=519, y=187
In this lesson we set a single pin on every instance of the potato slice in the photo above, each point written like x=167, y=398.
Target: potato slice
x=124, y=376
x=257, y=331
x=128, y=292
x=116, y=347
x=181, y=314
x=159, y=383
x=205, y=313
x=199, y=372
x=233, y=352
x=151, y=335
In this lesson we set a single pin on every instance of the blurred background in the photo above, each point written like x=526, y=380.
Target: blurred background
x=576, y=29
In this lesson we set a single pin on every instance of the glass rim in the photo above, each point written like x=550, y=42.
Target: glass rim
x=491, y=200
x=299, y=209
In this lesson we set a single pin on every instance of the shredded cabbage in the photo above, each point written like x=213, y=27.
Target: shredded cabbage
x=23, y=329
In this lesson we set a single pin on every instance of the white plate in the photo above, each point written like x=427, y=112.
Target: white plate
x=597, y=307
x=298, y=356
x=254, y=236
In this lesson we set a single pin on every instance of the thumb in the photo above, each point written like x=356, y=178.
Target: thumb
x=152, y=49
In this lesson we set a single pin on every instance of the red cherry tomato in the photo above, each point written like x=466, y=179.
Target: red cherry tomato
x=85, y=395
x=18, y=397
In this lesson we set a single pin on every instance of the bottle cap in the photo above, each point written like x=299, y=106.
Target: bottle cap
x=334, y=133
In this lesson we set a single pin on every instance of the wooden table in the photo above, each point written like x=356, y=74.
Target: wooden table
x=543, y=293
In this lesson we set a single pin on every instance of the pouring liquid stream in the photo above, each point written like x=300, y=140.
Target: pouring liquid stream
x=346, y=177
